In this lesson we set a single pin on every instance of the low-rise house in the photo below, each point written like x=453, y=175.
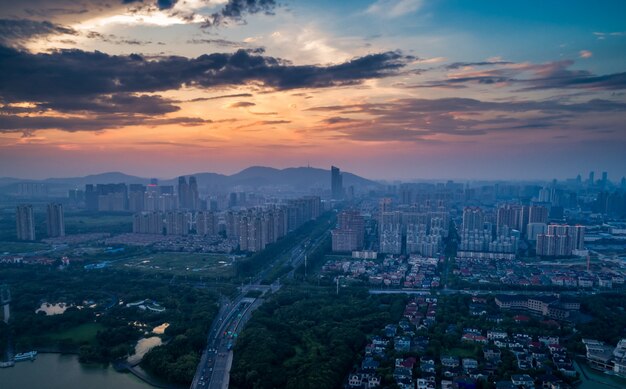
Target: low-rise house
x=369, y=364
x=469, y=364
x=390, y=330
x=402, y=343
x=449, y=361
x=548, y=340
x=474, y=338
x=492, y=354
x=493, y=335
x=523, y=381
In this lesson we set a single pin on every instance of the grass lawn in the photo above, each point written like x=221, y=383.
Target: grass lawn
x=84, y=333
x=21, y=247
x=79, y=224
x=180, y=264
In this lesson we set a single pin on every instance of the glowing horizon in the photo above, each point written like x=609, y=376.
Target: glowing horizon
x=395, y=89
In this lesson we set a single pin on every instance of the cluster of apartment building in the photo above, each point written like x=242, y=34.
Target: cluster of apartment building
x=138, y=197
x=418, y=228
x=25, y=221
x=561, y=240
x=253, y=228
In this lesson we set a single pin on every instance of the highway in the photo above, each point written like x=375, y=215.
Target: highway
x=214, y=367
x=213, y=371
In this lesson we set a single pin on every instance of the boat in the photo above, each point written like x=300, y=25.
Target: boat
x=29, y=356
x=7, y=364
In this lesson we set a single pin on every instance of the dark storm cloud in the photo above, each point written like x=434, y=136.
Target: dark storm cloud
x=110, y=91
x=220, y=97
x=66, y=73
x=14, y=32
x=234, y=10
x=419, y=119
x=28, y=124
x=528, y=77
x=458, y=65
x=117, y=103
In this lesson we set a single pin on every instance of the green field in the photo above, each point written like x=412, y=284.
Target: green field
x=84, y=333
x=182, y=264
x=80, y=224
x=21, y=247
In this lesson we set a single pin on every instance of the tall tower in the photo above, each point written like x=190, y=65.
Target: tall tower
x=54, y=220
x=183, y=193
x=336, y=183
x=25, y=220
x=194, y=197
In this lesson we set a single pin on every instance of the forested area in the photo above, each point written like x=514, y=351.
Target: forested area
x=309, y=339
x=109, y=329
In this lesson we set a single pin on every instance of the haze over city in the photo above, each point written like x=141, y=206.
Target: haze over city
x=322, y=194
x=399, y=89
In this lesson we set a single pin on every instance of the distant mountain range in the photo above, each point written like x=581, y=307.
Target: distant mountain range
x=252, y=177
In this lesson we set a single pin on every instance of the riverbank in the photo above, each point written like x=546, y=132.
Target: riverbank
x=61, y=371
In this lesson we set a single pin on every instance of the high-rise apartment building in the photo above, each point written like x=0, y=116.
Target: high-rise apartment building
x=508, y=217
x=177, y=223
x=54, y=220
x=473, y=219
x=350, y=232
x=537, y=214
x=148, y=223
x=560, y=240
x=206, y=223
x=25, y=220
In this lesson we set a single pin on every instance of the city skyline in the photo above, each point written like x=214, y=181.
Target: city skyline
x=394, y=89
x=585, y=176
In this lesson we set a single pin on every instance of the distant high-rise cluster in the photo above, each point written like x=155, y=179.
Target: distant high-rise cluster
x=560, y=240
x=140, y=198
x=252, y=228
x=417, y=228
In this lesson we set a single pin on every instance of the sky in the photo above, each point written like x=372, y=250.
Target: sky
x=387, y=89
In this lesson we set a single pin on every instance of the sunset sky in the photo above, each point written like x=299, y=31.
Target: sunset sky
x=388, y=89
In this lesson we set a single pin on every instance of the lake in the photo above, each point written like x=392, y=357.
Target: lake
x=56, y=371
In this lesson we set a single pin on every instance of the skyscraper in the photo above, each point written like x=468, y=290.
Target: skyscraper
x=336, y=183
x=54, y=220
x=193, y=200
x=25, y=220
x=183, y=192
